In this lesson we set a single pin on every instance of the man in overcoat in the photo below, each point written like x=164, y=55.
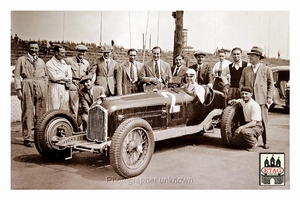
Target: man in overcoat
x=259, y=78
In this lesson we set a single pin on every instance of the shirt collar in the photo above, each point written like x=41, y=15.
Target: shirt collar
x=238, y=64
x=158, y=62
x=59, y=61
x=106, y=60
x=31, y=57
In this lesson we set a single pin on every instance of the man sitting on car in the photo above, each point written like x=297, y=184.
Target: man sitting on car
x=246, y=136
x=89, y=94
x=191, y=87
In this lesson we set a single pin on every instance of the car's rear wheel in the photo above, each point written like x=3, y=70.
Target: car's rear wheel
x=52, y=126
x=232, y=118
x=132, y=147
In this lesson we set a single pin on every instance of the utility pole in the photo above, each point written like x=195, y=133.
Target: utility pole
x=178, y=39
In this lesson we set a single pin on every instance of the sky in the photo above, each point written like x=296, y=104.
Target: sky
x=206, y=30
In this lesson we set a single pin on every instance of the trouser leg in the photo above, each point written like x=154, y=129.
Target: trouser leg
x=74, y=103
x=264, y=112
x=27, y=106
x=41, y=92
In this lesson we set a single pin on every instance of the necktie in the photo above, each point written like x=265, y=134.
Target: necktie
x=90, y=93
x=176, y=71
x=156, y=70
x=132, y=73
x=34, y=59
x=107, y=63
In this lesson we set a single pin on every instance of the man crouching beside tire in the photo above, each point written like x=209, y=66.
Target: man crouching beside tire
x=246, y=135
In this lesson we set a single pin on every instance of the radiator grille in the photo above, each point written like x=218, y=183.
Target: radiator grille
x=97, y=124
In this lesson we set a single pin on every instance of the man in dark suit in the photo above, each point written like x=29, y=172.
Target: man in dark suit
x=156, y=73
x=128, y=75
x=235, y=71
x=259, y=78
x=105, y=69
x=204, y=71
x=179, y=70
x=89, y=94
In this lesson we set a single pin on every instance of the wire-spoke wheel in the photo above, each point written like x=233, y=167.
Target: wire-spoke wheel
x=132, y=147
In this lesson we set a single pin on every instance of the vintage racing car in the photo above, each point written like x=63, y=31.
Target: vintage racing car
x=125, y=128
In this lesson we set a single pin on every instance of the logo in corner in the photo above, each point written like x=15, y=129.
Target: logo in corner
x=271, y=169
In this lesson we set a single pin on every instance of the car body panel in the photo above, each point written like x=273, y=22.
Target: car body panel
x=281, y=73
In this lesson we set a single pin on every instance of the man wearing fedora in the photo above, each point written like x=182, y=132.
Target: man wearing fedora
x=259, y=78
x=203, y=70
x=105, y=69
x=89, y=94
x=79, y=67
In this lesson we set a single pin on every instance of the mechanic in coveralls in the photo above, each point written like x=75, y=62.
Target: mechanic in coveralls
x=31, y=83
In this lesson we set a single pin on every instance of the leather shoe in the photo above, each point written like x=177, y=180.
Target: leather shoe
x=27, y=143
x=266, y=146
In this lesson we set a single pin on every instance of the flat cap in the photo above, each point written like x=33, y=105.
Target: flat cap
x=87, y=77
x=81, y=47
x=199, y=53
x=106, y=48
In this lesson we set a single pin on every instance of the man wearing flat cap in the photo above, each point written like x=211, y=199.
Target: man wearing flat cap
x=105, y=69
x=89, y=94
x=246, y=135
x=79, y=67
x=259, y=78
x=204, y=74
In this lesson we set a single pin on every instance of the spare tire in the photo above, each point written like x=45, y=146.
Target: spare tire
x=232, y=118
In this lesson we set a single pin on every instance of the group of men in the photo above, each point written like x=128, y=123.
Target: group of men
x=72, y=84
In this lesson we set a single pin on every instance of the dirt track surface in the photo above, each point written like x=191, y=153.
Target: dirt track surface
x=190, y=162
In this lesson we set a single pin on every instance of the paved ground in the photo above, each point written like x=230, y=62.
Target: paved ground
x=190, y=162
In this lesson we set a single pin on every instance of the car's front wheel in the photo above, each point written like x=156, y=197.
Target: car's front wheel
x=50, y=128
x=132, y=147
x=232, y=118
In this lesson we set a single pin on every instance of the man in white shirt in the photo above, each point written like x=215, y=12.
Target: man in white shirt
x=246, y=135
x=60, y=77
x=221, y=73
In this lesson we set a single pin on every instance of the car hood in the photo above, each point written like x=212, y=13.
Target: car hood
x=159, y=98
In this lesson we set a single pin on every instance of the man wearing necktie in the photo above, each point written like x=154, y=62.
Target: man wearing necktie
x=178, y=70
x=31, y=83
x=204, y=75
x=235, y=70
x=128, y=75
x=156, y=73
x=105, y=69
x=79, y=67
x=260, y=78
